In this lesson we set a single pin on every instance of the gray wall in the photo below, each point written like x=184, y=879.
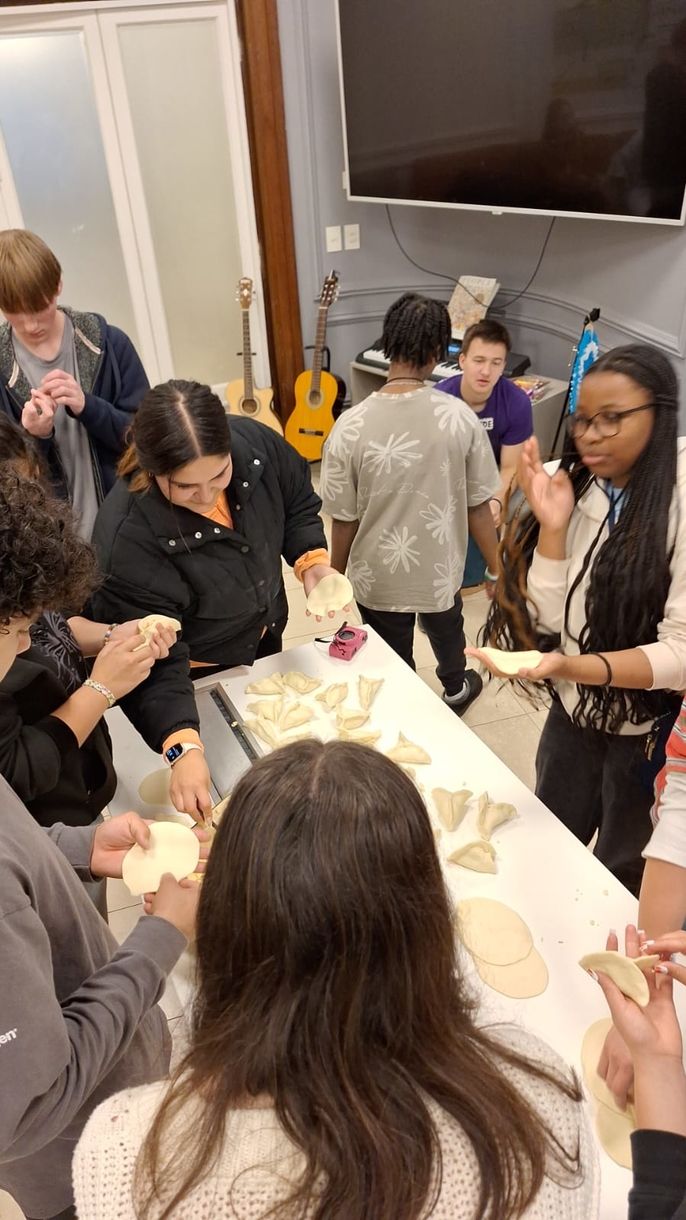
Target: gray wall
x=635, y=273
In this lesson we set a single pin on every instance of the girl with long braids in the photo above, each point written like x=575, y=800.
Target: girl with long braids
x=606, y=594
x=336, y=1067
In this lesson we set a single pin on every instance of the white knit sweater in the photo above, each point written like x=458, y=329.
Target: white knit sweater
x=257, y=1156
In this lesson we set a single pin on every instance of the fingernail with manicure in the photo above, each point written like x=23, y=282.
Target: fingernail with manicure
x=594, y=976
x=662, y=969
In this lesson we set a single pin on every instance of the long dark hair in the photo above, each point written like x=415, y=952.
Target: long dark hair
x=329, y=980
x=175, y=423
x=629, y=573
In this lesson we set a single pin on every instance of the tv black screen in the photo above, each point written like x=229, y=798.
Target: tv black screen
x=564, y=107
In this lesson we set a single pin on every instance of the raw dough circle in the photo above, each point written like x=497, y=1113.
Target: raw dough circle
x=519, y=980
x=591, y=1047
x=512, y=662
x=493, y=932
x=173, y=849
x=331, y=593
x=614, y=1133
x=154, y=787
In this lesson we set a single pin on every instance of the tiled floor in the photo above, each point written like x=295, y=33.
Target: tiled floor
x=505, y=721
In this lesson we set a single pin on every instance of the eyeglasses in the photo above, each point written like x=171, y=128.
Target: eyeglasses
x=606, y=423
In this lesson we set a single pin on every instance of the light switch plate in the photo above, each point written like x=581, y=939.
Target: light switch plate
x=333, y=239
x=351, y=234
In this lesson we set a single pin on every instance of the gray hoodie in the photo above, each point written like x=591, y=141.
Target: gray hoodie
x=78, y=1019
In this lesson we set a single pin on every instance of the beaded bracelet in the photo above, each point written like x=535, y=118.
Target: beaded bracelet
x=108, y=634
x=102, y=690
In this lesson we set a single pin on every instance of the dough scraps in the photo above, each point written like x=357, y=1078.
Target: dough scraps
x=302, y=683
x=173, y=849
x=273, y=685
x=351, y=718
x=333, y=695
x=591, y=1048
x=405, y=751
x=265, y=730
x=450, y=806
x=330, y=594
x=479, y=856
x=368, y=737
x=626, y=972
x=492, y=931
x=511, y=662
x=267, y=709
x=495, y=814
x=368, y=689
x=154, y=788
x=148, y=625
x=294, y=716
x=518, y=980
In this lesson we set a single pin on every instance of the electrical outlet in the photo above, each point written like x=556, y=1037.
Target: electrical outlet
x=333, y=239
x=351, y=235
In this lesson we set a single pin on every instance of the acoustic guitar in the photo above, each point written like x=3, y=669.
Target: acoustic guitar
x=243, y=396
x=316, y=391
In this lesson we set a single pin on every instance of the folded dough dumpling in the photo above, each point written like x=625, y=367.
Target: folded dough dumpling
x=351, y=718
x=333, y=695
x=301, y=682
x=330, y=594
x=294, y=716
x=273, y=685
x=493, y=815
x=451, y=806
x=363, y=737
x=368, y=689
x=405, y=751
x=148, y=625
x=479, y=856
x=266, y=730
x=267, y=709
x=626, y=972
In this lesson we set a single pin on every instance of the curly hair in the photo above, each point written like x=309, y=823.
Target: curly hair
x=44, y=563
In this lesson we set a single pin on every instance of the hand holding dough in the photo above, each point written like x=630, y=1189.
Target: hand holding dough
x=351, y=718
x=451, y=806
x=300, y=682
x=333, y=695
x=330, y=594
x=405, y=751
x=368, y=689
x=148, y=625
x=493, y=815
x=510, y=663
x=479, y=856
x=273, y=685
x=626, y=972
x=173, y=849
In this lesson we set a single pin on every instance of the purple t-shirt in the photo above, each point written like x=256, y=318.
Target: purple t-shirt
x=507, y=416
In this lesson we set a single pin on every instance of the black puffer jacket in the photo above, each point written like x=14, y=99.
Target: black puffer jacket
x=224, y=585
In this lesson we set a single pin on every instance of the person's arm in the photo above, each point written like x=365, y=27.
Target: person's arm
x=303, y=528
x=662, y=902
x=483, y=531
x=342, y=537
x=509, y=458
x=107, y=421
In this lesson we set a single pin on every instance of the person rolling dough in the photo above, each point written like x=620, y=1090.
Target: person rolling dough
x=196, y=528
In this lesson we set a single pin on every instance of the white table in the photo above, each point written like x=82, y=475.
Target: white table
x=568, y=899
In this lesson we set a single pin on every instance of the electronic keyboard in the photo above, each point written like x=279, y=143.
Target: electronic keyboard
x=517, y=364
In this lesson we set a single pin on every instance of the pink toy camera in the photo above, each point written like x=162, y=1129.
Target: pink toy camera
x=346, y=642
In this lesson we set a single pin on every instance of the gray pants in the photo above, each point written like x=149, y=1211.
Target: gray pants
x=591, y=781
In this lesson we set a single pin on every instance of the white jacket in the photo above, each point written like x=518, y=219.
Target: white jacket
x=550, y=580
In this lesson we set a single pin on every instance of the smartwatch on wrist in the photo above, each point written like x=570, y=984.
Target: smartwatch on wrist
x=177, y=751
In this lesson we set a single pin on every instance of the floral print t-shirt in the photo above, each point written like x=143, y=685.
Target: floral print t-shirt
x=407, y=467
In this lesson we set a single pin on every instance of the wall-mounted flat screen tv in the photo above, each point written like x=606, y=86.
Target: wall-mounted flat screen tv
x=560, y=107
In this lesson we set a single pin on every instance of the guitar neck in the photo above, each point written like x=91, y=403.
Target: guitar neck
x=248, y=384
x=319, y=348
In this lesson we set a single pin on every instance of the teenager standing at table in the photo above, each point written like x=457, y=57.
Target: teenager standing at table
x=608, y=579
x=196, y=528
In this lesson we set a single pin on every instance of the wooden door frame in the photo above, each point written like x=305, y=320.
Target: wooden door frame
x=258, y=29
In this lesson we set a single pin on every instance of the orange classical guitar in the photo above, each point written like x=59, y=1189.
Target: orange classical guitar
x=316, y=391
x=242, y=396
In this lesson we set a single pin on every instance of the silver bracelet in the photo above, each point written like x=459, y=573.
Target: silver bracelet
x=489, y=575
x=102, y=690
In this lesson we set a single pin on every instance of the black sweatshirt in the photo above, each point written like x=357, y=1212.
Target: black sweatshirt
x=659, y=1189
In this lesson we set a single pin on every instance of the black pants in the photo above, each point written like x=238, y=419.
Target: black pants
x=445, y=630
x=591, y=781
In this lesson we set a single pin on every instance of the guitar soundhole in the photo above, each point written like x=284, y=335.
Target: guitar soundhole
x=314, y=399
x=249, y=406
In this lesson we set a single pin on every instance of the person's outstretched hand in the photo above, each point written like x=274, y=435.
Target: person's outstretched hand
x=549, y=666
x=550, y=497
x=177, y=902
x=115, y=836
x=312, y=577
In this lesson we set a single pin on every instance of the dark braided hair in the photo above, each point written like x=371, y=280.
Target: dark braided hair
x=630, y=571
x=416, y=330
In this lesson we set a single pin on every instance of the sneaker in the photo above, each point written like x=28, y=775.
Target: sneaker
x=459, y=704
